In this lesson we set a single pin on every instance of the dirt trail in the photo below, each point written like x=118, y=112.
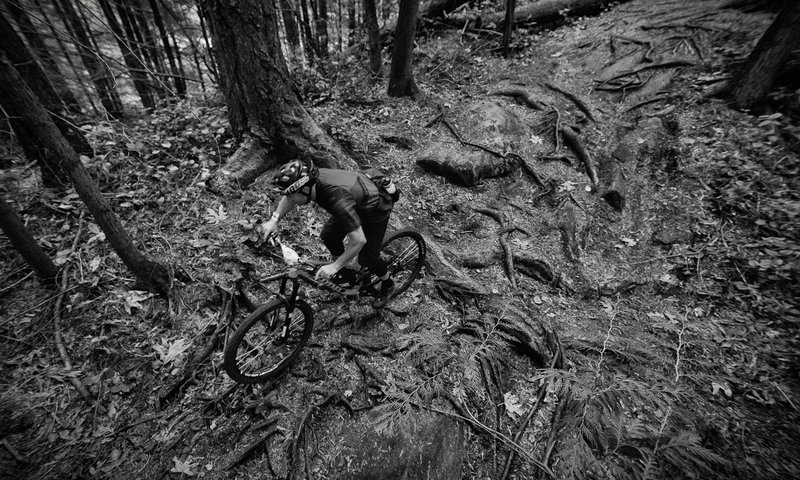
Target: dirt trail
x=616, y=344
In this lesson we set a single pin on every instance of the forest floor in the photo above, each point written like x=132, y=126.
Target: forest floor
x=657, y=341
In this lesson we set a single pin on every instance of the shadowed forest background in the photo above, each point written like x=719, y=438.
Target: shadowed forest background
x=608, y=192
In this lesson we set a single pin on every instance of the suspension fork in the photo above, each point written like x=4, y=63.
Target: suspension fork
x=290, y=301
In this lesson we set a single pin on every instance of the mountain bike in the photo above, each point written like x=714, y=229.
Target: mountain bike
x=271, y=338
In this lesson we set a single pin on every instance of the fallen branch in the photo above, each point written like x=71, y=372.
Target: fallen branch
x=59, y=340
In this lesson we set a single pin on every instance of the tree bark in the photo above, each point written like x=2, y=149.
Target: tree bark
x=41, y=50
x=288, y=12
x=265, y=113
x=322, y=28
x=310, y=41
x=401, y=78
x=99, y=72
x=18, y=100
x=35, y=77
x=373, y=38
x=758, y=73
x=22, y=240
x=136, y=68
x=508, y=26
x=177, y=78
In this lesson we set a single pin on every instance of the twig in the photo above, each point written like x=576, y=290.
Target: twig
x=13, y=451
x=524, y=424
x=188, y=371
x=10, y=287
x=784, y=396
x=59, y=340
x=465, y=415
x=301, y=427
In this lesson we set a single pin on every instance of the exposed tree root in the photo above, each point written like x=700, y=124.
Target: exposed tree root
x=254, y=447
x=522, y=96
x=574, y=142
x=574, y=99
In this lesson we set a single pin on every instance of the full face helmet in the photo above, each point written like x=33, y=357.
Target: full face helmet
x=296, y=176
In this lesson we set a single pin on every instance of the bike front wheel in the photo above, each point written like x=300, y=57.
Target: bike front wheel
x=268, y=341
x=404, y=253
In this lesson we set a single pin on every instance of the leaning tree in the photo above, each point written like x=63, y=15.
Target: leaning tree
x=758, y=73
x=264, y=110
x=19, y=101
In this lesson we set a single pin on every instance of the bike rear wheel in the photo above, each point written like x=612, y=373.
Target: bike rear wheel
x=404, y=253
x=268, y=341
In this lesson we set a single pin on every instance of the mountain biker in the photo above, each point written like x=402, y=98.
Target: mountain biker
x=359, y=210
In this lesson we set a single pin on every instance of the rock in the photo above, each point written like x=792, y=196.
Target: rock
x=416, y=446
x=672, y=234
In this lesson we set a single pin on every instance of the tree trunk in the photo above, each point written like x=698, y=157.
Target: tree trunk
x=373, y=38
x=288, y=12
x=41, y=50
x=264, y=110
x=26, y=245
x=35, y=78
x=136, y=68
x=211, y=64
x=180, y=84
x=508, y=26
x=401, y=78
x=756, y=77
x=18, y=100
x=65, y=51
x=310, y=42
x=101, y=76
x=322, y=28
x=352, y=23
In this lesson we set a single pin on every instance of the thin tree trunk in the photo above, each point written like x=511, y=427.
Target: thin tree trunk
x=102, y=77
x=758, y=73
x=65, y=51
x=18, y=100
x=34, y=39
x=401, y=78
x=508, y=26
x=322, y=28
x=211, y=64
x=311, y=46
x=288, y=12
x=137, y=69
x=34, y=76
x=373, y=38
x=180, y=84
x=22, y=240
x=352, y=22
